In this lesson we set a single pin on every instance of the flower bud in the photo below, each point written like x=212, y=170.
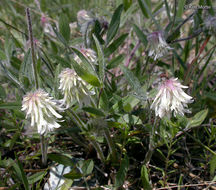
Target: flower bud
x=157, y=45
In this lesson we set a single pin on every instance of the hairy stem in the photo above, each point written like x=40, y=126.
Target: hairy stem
x=34, y=67
x=44, y=145
x=151, y=144
x=110, y=144
x=98, y=150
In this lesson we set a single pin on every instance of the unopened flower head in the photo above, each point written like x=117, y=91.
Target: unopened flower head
x=36, y=43
x=84, y=16
x=157, y=45
x=88, y=53
x=47, y=27
x=86, y=22
x=42, y=109
x=171, y=98
x=73, y=88
x=210, y=24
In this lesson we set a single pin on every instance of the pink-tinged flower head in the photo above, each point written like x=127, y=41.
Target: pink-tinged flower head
x=42, y=109
x=157, y=45
x=73, y=88
x=171, y=98
x=44, y=20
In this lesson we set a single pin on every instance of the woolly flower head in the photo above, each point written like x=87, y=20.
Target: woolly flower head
x=157, y=45
x=88, y=53
x=171, y=98
x=42, y=109
x=73, y=88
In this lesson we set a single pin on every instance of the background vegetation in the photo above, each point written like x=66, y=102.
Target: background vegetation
x=104, y=144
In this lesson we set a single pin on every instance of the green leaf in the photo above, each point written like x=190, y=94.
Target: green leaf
x=143, y=8
x=13, y=140
x=36, y=177
x=127, y=4
x=67, y=184
x=60, y=37
x=62, y=61
x=26, y=67
x=122, y=173
x=101, y=60
x=87, y=167
x=125, y=104
x=21, y=174
x=114, y=24
x=43, y=5
x=61, y=159
x=181, y=5
x=211, y=10
x=212, y=166
x=10, y=105
x=2, y=93
x=179, y=59
x=85, y=62
x=2, y=55
x=197, y=119
x=94, y=111
x=115, y=61
x=73, y=174
x=9, y=46
x=145, y=178
x=104, y=101
x=128, y=14
x=131, y=78
x=11, y=76
x=133, y=82
x=142, y=37
x=64, y=27
x=85, y=74
x=115, y=45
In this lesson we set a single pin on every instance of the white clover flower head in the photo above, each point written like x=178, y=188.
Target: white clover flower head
x=73, y=88
x=84, y=16
x=42, y=109
x=157, y=45
x=171, y=98
x=88, y=53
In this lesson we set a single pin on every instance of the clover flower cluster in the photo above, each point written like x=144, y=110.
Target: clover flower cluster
x=43, y=109
x=171, y=98
x=73, y=88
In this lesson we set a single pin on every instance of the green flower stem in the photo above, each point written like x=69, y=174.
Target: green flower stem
x=99, y=150
x=151, y=144
x=110, y=144
x=44, y=145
